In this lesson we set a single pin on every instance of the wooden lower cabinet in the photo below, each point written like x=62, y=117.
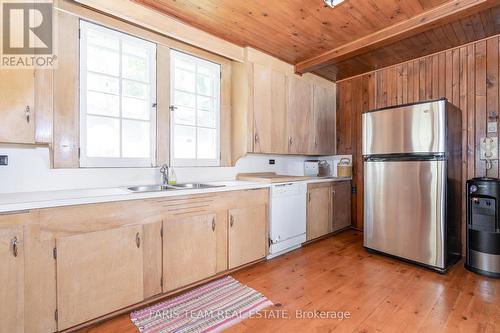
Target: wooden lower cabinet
x=247, y=235
x=189, y=250
x=328, y=208
x=319, y=210
x=341, y=205
x=11, y=280
x=98, y=273
x=76, y=264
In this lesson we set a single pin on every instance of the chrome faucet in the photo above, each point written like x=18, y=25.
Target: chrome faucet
x=164, y=174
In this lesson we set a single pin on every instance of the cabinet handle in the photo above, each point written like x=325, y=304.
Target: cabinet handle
x=231, y=221
x=15, y=249
x=309, y=197
x=27, y=112
x=256, y=138
x=333, y=192
x=290, y=141
x=138, y=240
x=172, y=107
x=213, y=224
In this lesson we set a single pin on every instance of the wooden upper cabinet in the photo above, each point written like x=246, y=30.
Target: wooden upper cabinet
x=269, y=110
x=299, y=115
x=98, y=273
x=247, y=235
x=324, y=121
x=17, y=102
x=341, y=205
x=189, y=250
x=319, y=210
x=11, y=280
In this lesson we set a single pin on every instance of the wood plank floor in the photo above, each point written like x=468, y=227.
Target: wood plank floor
x=381, y=294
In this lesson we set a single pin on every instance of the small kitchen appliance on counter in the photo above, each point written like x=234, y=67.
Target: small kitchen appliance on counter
x=317, y=168
x=483, y=226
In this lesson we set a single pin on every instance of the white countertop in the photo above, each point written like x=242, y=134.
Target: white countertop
x=11, y=202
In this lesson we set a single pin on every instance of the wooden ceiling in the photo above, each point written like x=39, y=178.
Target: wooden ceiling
x=298, y=30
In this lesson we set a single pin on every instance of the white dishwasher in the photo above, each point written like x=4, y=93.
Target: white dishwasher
x=287, y=211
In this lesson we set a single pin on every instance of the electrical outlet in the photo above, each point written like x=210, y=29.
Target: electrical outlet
x=272, y=161
x=4, y=160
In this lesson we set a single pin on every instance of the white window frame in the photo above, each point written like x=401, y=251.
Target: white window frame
x=196, y=162
x=86, y=161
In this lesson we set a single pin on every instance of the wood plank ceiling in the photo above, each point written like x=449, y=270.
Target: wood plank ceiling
x=297, y=30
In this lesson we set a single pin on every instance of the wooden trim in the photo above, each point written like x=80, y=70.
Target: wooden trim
x=447, y=12
x=155, y=21
x=416, y=59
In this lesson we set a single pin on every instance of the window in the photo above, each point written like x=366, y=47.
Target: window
x=195, y=116
x=117, y=99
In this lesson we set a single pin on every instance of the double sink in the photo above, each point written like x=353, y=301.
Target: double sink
x=171, y=187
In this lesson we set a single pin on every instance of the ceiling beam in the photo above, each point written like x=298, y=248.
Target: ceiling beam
x=449, y=11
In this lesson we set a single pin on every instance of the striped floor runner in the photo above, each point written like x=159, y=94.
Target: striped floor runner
x=209, y=308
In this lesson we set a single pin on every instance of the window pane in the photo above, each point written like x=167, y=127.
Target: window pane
x=135, y=89
x=185, y=142
x=135, y=50
x=207, y=143
x=135, y=108
x=102, y=83
x=185, y=116
x=184, y=99
x=102, y=39
x=136, y=139
x=206, y=70
x=181, y=63
x=184, y=80
x=135, y=68
x=103, y=60
x=103, y=137
x=103, y=104
x=204, y=85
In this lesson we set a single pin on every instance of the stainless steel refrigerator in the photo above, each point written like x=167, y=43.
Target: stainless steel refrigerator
x=412, y=182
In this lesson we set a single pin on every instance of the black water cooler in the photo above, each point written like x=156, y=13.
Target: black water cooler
x=483, y=226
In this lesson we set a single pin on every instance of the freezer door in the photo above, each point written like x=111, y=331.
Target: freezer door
x=404, y=209
x=418, y=128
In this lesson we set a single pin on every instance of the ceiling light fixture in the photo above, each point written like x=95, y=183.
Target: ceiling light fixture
x=333, y=3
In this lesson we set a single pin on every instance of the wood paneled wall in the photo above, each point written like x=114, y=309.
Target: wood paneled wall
x=467, y=76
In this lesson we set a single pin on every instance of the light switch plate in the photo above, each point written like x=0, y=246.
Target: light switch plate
x=4, y=160
x=492, y=126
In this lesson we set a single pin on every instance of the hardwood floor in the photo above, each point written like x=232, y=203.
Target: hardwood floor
x=381, y=294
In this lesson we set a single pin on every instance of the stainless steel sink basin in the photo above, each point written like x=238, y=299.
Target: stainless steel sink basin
x=191, y=186
x=150, y=188
x=160, y=188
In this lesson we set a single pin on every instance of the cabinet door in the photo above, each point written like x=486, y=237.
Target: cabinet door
x=17, y=95
x=300, y=116
x=189, y=250
x=341, y=198
x=269, y=110
x=247, y=235
x=324, y=121
x=318, y=212
x=98, y=273
x=11, y=280
x=262, y=97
